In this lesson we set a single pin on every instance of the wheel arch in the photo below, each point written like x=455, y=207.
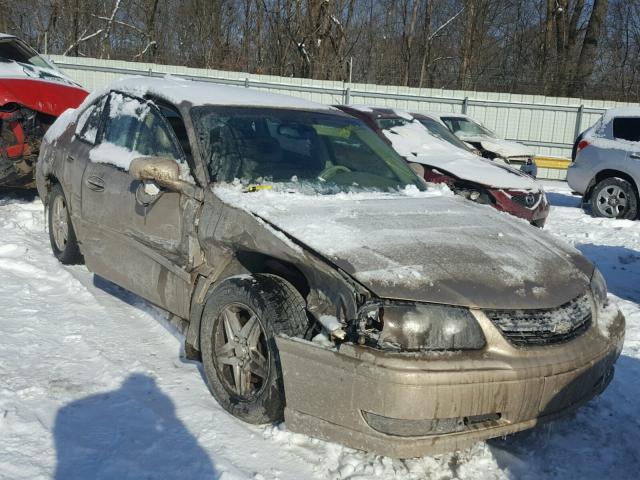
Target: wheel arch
x=243, y=262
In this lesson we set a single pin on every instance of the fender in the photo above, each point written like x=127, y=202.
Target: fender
x=48, y=97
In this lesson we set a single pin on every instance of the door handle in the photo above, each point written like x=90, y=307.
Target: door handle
x=95, y=183
x=635, y=155
x=70, y=159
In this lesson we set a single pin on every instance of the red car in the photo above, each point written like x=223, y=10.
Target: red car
x=436, y=154
x=33, y=93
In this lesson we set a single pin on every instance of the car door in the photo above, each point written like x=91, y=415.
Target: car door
x=76, y=156
x=137, y=236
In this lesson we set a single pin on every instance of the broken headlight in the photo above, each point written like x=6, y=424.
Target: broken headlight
x=599, y=288
x=415, y=327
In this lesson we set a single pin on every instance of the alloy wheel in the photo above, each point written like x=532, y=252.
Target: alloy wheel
x=240, y=351
x=612, y=201
x=59, y=223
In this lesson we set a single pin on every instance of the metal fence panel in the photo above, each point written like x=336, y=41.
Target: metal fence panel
x=548, y=124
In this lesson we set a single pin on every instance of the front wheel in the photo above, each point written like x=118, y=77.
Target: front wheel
x=241, y=319
x=61, y=233
x=614, y=198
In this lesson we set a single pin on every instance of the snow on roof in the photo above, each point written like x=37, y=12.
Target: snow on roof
x=177, y=90
x=362, y=108
x=620, y=112
x=6, y=35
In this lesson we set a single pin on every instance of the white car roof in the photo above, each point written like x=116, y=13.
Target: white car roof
x=620, y=112
x=177, y=91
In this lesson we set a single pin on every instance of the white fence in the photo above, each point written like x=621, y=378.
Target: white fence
x=550, y=124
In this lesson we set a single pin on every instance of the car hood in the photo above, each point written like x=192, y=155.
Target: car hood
x=501, y=147
x=426, y=247
x=416, y=144
x=49, y=97
x=472, y=168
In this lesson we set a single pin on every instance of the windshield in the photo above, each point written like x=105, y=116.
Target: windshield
x=324, y=151
x=466, y=126
x=438, y=130
x=14, y=49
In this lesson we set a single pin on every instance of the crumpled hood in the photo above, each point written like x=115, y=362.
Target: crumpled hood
x=13, y=69
x=470, y=167
x=501, y=147
x=427, y=247
x=42, y=95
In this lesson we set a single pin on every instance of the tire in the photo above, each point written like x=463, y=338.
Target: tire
x=62, y=236
x=248, y=384
x=614, y=198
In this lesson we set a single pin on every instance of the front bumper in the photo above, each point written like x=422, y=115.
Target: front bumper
x=409, y=405
x=536, y=214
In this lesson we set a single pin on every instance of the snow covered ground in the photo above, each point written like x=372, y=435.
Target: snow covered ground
x=94, y=384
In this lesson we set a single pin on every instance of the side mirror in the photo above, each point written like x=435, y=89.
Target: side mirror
x=165, y=172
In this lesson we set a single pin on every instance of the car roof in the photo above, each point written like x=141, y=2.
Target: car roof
x=447, y=114
x=177, y=90
x=621, y=112
x=378, y=112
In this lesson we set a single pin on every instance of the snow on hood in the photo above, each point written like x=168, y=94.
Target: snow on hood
x=414, y=142
x=427, y=247
x=13, y=69
x=501, y=147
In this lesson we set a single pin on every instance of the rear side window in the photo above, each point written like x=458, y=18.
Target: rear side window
x=135, y=126
x=627, y=129
x=89, y=122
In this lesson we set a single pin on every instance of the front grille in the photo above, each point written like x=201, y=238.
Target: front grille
x=526, y=200
x=543, y=327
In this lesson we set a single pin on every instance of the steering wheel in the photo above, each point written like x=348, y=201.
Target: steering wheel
x=332, y=171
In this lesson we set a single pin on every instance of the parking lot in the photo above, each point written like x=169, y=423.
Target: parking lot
x=85, y=364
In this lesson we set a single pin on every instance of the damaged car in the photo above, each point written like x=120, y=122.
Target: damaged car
x=33, y=93
x=314, y=274
x=488, y=143
x=438, y=156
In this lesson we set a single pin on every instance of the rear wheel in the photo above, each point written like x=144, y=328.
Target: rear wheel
x=61, y=233
x=614, y=198
x=240, y=321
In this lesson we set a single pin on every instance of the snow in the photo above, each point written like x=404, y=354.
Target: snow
x=178, y=90
x=408, y=244
x=94, y=383
x=629, y=112
x=58, y=127
x=113, y=154
x=13, y=69
x=414, y=142
x=600, y=134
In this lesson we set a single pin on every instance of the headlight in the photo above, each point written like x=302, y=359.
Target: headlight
x=429, y=327
x=599, y=288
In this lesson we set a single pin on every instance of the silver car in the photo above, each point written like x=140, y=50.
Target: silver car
x=605, y=170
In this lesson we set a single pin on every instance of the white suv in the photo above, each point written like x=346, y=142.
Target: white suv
x=606, y=167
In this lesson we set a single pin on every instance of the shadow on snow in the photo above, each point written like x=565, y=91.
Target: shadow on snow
x=620, y=267
x=564, y=200
x=598, y=441
x=132, y=432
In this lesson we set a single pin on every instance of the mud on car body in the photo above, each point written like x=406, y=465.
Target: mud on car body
x=32, y=95
x=314, y=275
